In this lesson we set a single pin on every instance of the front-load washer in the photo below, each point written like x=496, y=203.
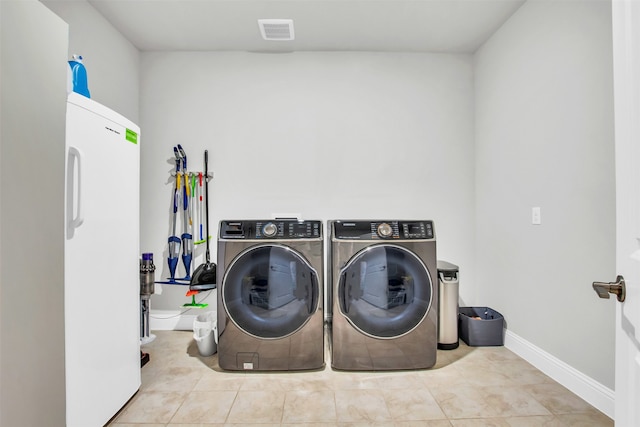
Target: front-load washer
x=270, y=295
x=383, y=277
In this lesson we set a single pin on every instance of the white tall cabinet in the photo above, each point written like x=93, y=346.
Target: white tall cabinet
x=34, y=44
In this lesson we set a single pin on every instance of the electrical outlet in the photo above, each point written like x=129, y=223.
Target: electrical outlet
x=536, y=218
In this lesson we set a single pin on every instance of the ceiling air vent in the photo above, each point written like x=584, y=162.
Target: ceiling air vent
x=276, y=29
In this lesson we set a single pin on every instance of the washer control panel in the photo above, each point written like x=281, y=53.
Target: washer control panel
x=417, y=230
x=271, y=229
x=383, y=230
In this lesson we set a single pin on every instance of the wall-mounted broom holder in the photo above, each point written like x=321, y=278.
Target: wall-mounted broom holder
x=186, y=232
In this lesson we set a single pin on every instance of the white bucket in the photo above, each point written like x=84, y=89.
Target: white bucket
x=205, y=332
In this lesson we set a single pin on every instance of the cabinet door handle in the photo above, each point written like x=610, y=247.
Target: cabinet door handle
x=74, y=161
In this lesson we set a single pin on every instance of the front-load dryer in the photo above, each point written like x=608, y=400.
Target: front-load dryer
x=385, y=295
x=270, y=296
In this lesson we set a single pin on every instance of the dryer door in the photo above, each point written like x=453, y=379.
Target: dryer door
x=385, y=291
x=270, y=291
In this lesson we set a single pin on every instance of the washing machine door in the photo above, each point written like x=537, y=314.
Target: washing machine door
x=385, y=291
x=270, y=291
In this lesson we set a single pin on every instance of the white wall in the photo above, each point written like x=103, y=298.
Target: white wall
x=325, y=135
x=32, y=99
x=544, y=137
x=112, y=62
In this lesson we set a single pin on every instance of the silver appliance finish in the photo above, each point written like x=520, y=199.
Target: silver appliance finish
x=448, y=291
x=270, y=295
x=384, y=293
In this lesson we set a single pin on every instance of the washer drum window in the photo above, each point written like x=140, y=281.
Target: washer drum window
x=270, y=291
x=385, y=291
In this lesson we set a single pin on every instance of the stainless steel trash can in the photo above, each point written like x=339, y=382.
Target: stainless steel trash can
x=448, y=286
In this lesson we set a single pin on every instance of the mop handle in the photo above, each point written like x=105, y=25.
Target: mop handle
x=206, y=202
x=200, y=212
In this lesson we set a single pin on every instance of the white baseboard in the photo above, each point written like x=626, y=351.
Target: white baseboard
x=596, y=394
x=171, y=320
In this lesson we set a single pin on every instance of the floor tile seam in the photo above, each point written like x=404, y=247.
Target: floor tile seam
x=235, y=397
x=430, y=387
x=506, y=382
x=179, y=390
x=199, y=391
x=463, y=367
x=283, y=422
x=588, y=411
x=243, y=380
x=498, y=367
x=520, y=389
x=552, y=417
x=548, y=407
x=483, y=416
x=203, y=388
x=438, y=403
x=284, y=403
x=506, y=418
x=183, y=395
x=353, y=422
x=129, y=403
x=386, y=404
x=186, y=396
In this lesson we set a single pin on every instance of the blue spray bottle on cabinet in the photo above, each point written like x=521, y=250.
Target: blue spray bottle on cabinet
x=79, y=76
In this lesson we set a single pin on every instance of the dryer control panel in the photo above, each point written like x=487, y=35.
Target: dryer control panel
x=383, y=230
x=276, y=229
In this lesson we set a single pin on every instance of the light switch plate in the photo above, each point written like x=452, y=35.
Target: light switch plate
x=536, y=218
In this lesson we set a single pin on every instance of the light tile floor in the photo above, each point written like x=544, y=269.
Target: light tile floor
x=469, y=386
